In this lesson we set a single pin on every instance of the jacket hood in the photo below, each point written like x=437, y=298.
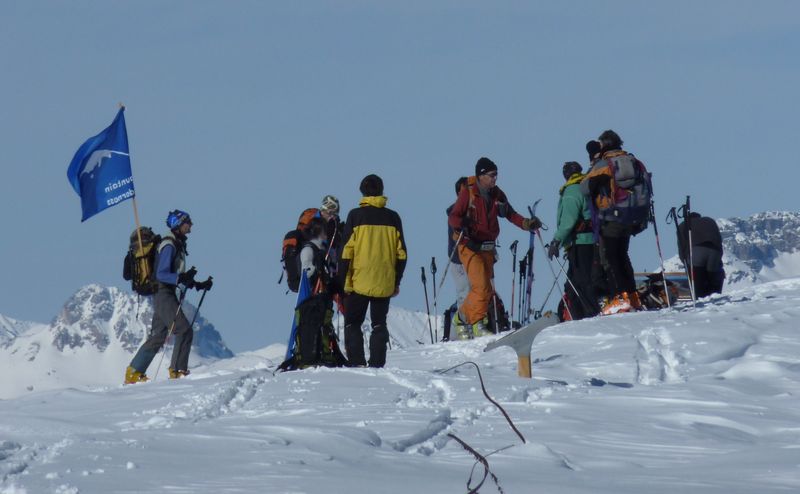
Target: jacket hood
x=375, y=201
x=574, y=179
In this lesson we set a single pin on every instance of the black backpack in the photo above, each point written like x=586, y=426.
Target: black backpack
x=139, y=264
x=292, y=244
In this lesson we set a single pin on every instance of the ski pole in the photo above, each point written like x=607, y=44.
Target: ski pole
x=202, y=297
x=427, y=307
x=688, y=219
x=494, y=299
x=435, y=310
x=449, y=262
x=672, y=215
x=513, y=249
x=552, y=287
x=171, y=328
x=550, y=264
x=523, y=265
x=658, y=246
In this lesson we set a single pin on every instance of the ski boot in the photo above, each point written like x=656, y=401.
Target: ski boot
x=481, y=328
x=463, y=330
x=618, y=304
x=177, y=374
x=636, y=302
x=132, y=376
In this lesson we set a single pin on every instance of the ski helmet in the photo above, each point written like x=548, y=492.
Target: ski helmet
x=176, y=218
x=330, y=204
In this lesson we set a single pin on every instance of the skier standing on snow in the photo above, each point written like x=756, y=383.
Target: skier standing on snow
x=456, y=268
x=615, y=225
x=707, y=271
x=371, y=267
x=476, y=213
x=574, y=234
x=167, y=314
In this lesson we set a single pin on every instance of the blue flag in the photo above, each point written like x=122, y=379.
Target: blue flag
x=302, y=294
x=100, y=172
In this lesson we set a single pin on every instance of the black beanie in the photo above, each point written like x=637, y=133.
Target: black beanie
x=571, y=168
x=371, y=185
x=593, y=147
x=483, y=166
x=610, y=140
x=460, y=183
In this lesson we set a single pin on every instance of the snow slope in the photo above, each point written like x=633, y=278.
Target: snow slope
x=698, y=400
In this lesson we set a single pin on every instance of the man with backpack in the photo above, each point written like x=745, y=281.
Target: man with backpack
x=619, y=190
x=315, y=339
x=475, y=214
x=707, y=272
x=574, y=234
x=292, y=241
x=371, y=267
x=168, y=317
x=456, y=268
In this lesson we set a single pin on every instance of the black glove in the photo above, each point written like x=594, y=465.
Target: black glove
x=532, y=224
x=204, y=285
x=187, y=279
x=552, y=250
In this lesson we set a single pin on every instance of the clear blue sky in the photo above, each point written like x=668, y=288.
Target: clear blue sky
x=244, y=113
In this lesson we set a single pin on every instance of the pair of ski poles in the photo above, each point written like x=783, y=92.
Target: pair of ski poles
x=685, y=213
x=175, y=320
x=427, y=306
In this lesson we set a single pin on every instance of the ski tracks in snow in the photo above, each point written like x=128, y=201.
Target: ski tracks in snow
x=228, y=397
x=656, y=362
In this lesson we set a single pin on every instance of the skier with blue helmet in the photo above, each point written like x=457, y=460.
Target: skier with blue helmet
x=168, y=317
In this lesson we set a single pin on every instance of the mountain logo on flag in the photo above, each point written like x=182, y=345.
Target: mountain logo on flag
x=96, y=160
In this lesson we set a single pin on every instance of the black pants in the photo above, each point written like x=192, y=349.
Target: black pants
x=355, y=313
x=582, y=303
x=707, y=271
x=619, y=270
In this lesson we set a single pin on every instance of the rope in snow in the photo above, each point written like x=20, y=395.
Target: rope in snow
x=483, y=461
x=486, y=394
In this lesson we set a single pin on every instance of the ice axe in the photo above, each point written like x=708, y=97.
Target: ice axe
x=521, y=341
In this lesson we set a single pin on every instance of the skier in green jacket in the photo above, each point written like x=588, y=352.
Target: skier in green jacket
x=574, y=234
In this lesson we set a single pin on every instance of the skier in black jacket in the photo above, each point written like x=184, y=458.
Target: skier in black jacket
x=706, y=254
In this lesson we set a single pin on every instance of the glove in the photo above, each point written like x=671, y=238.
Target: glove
x=187, y=279
x=552, y=250
x=531, y=224
x=466, y=222
x=204, y=285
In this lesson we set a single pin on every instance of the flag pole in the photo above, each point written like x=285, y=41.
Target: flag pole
x=136, y=211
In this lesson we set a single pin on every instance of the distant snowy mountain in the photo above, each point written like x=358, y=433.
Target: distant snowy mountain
x=764, y=247
x=89, y=343
x=10, y=329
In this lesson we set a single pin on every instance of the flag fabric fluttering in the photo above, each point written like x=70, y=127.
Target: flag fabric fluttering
x=100, y=171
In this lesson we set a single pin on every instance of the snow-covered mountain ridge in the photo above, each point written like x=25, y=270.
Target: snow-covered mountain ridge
x=763, y=247
x=89, y=342
x=697, y=400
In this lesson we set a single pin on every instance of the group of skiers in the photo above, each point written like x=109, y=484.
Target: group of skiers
x=358, y=264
